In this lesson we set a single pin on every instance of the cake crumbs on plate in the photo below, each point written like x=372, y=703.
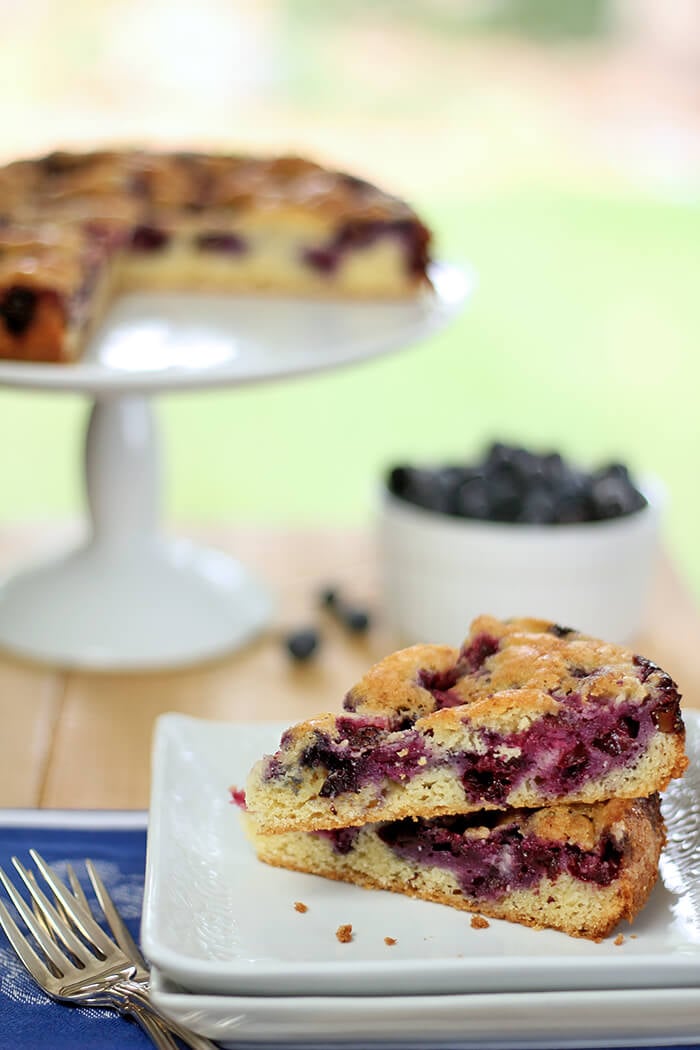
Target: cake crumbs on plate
x=300, y=906
x=619, y=939
x=390, y=940
x=478, y=922
x=344, y=933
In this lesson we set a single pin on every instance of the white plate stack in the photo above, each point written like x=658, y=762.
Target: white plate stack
x=233, y=959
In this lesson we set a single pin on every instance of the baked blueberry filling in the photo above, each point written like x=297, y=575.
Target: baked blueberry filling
x=17, y=309
x=558, y=752
x=223, y=243
x=505, y=860
x=363, y=753
x=324, y=260
x=149, y=239
x=342, y=839
x=358, y=234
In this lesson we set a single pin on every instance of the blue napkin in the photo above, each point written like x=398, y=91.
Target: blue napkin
x=117, y=845
x=28, y=1018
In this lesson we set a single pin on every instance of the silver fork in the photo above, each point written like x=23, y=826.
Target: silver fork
x=85, y=970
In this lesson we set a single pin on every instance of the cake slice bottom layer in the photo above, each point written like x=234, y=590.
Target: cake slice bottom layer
x=579, y=869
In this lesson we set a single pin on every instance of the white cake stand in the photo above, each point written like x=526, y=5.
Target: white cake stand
x=130, y=597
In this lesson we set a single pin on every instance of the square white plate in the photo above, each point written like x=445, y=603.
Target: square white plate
x=509, y=1021
x=217, y=920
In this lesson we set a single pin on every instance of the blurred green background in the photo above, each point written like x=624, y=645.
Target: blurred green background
x=555, y=148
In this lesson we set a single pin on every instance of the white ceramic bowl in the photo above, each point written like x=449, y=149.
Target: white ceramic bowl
x=439, y=572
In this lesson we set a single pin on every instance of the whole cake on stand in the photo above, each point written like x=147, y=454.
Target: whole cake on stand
x=124, y=274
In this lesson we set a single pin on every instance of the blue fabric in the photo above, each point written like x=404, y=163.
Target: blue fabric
x=28, y=1019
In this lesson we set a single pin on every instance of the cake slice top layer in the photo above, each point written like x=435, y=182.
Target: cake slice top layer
x=507, y=672
x=526, y=713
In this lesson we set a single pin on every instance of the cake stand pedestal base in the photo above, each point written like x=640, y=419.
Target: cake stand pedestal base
x=166, y=604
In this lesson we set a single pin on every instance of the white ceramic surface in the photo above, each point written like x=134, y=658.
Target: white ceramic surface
x=130, y=598
x=515, y=1021
x=217, y=921
x=183, y=341
x=439, y=572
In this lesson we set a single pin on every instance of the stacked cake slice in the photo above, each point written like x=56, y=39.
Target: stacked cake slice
x=517, y=777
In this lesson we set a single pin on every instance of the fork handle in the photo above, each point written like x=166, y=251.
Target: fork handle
x=137, y=1001
x=159, y=1036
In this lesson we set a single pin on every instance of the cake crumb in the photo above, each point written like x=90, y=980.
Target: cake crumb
x=619, y=939
x=633, y=936
x=480, y=923
x=390, y=940
x=300, y=906
x=344, y=933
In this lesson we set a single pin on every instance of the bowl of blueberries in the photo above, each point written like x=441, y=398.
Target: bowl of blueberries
x=516, y=533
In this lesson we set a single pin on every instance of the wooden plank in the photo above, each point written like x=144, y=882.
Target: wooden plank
x=30, y=696
x=30, y=701
x=108, y=720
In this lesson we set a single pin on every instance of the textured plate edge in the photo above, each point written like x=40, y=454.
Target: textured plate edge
x=196, y=972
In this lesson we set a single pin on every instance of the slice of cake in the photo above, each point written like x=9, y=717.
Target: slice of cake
x=526, y=714
x=579, y=869
x=75, y=229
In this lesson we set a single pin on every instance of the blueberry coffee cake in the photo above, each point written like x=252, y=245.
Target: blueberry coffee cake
x=526, y=714
x=77, y=228
x=579, y=869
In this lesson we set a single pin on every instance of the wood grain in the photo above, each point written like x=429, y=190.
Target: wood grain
x=84, y=739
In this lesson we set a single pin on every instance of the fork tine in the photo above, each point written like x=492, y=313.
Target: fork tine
x=77, y=889
x=47, y=928
x=47, y=945
x=83, y=920
x=116, y=924
x=27, y=954
x=58, y=924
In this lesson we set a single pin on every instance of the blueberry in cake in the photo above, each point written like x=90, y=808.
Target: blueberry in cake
x=579, y=868
x=526, y=714
x=77, y=228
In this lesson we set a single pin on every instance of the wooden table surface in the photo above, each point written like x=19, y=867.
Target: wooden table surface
x=77, y=739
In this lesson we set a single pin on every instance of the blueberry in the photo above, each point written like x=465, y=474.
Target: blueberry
x=148, y=239
x=324, y=260
x=302, y=644
x=504, y=494
x=497, y=454
x=329, y=597
x=17, y=309
x=399, y=480
x=612, y=496
x=224, y=243
x=431, y=490
x=554, y=468
x=472, y=498
x=356, y=620
x=538, y=508
x=572, y=500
